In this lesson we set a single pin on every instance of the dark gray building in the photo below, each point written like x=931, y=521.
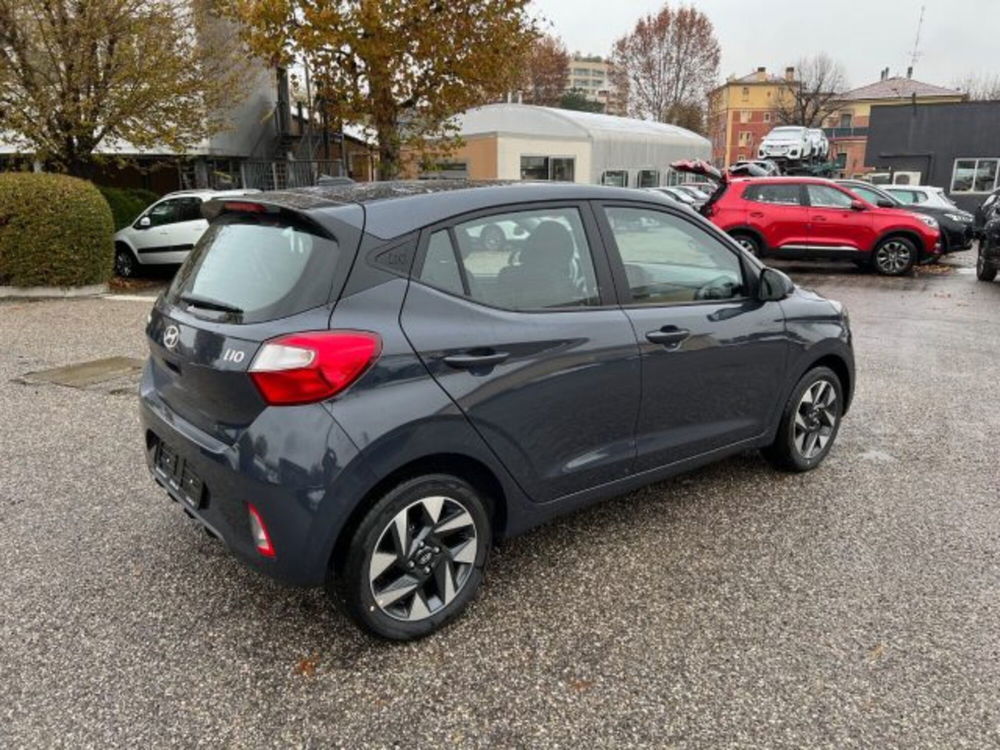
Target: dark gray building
x=953, y=146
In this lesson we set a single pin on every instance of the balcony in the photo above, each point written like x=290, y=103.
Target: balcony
x=846, y=132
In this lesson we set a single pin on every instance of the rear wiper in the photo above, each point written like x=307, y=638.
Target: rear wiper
x=210, y=304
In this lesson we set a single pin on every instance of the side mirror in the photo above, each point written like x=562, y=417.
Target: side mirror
x=857, y=206
x=883, y=203
x=773, y=285
x=145, y=222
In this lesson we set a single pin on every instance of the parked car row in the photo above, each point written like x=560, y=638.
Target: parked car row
x=806, y=217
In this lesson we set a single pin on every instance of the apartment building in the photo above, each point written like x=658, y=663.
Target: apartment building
x=589, y=75
x=742, y=111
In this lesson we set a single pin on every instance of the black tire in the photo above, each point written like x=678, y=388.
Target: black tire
x=354, y=587
x=125, y=263
x=785, y=453
x=986, y=270
x=894, y=256
x=748, y=242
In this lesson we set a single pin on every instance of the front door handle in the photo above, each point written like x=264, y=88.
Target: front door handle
x=473, y=360
x=669, y=336
x=819, y=218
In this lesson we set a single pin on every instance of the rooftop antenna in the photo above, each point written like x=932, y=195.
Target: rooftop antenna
x=916, y=54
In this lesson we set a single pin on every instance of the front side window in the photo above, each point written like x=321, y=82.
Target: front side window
x=824, y=196
x=521, y=260
x=670, y=261
x=784, y=194
x=165, y=212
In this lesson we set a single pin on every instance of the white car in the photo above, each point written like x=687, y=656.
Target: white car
x=819, y=143
x=674, y=194
x=920, y=195
x=787, y=142
x=166, y=231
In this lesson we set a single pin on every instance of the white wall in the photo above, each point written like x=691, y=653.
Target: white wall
x=510, y=150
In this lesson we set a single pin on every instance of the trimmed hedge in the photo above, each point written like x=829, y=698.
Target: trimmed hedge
x=127, y=203
x=54, y=231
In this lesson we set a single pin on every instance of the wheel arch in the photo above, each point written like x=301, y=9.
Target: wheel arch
x=748, y=230
x=907, y=234
x=465, y=467
x=842, y=371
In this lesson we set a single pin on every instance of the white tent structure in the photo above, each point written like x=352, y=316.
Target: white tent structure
x=545, y=143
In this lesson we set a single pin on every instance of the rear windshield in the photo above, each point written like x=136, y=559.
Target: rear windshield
x=252, y=268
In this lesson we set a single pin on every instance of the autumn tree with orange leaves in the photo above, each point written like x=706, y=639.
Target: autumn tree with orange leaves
x=668, y=64
x=399, y=68
x=76, y=75
x=546, y=72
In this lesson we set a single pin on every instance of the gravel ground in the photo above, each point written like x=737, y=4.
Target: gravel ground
x=733, y=607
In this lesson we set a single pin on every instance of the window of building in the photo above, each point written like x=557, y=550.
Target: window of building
x=974, y=176
x=669, y=261
x=615, y=178
x=648, y=178
x=744, y=115
x=560, y=168
x=746, y=137
x=846, y=119
x=841, y=162
x=746, y=92
x=767, y=117
x=785, y=194
x=824, y=196
x=519, y=260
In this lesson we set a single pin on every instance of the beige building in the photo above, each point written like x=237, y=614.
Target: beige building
x=589, y=75
x=523, y=142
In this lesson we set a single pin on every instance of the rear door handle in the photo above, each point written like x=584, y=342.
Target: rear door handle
x=669, y=336
x=756, y=215
x=819, y=218
x=470, y=360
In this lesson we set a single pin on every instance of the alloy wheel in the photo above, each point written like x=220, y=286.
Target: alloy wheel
x=893, y=257
x=815, y=419
x=423, y=558
x=747, y=244
x=124, y=265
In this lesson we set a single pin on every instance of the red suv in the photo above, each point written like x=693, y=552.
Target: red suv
x=806, y=217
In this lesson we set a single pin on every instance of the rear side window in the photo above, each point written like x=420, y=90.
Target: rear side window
x=781, y=194
x=257, y=268
x=523, y=260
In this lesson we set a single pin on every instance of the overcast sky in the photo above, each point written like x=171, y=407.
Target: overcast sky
x=958, y=36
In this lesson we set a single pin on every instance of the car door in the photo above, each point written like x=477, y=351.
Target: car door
x=776, y=210
x=527, y=340
x=175, y=226
x=834, y=225
x=713, y=356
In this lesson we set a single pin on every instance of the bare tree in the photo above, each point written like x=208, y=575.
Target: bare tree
x=980, y=86
x=546, y=72
x=667, y=64
x=811, y=96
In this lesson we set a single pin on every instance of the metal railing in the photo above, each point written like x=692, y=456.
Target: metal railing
x=276, y=174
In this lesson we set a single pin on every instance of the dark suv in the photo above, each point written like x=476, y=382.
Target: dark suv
x=368, y=386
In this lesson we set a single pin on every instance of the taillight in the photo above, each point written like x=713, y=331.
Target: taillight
x=261, y=539
x=306, y=367
x=244, y=207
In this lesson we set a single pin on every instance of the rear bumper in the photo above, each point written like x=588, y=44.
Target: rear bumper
x=286, y=464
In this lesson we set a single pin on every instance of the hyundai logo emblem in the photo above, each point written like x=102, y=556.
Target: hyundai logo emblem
x=171, y=337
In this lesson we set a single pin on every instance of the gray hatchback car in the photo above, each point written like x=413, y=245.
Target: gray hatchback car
x=366, y=387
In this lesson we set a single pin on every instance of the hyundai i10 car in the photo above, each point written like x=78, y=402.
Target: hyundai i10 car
x=367, y=387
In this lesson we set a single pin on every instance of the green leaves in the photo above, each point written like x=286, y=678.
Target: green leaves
x=54, y=231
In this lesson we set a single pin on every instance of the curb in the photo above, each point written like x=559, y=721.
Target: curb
x=51, y=292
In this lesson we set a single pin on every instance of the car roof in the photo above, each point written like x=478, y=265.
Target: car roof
x=398, y=207
x=778, y=180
